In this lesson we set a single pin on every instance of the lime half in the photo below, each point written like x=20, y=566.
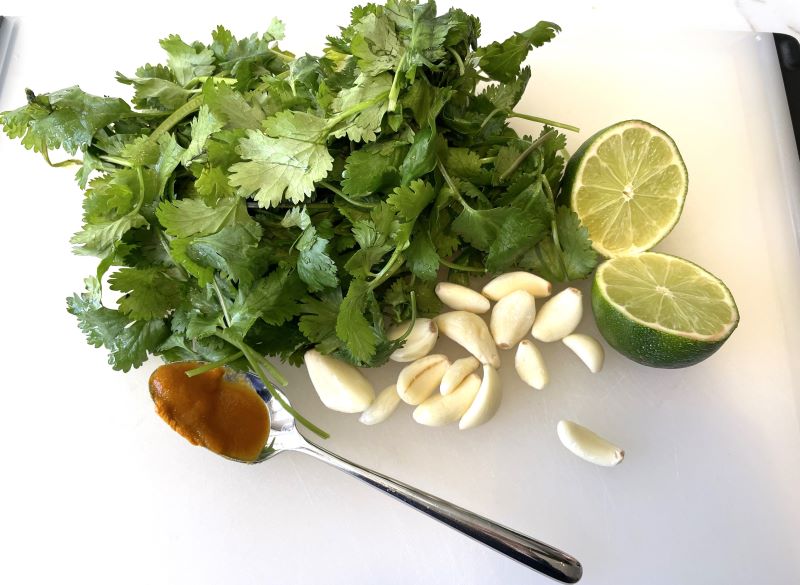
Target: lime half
x=662, y=311
x=627, y=184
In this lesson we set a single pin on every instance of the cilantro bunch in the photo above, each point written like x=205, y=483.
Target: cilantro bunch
x=250, y=203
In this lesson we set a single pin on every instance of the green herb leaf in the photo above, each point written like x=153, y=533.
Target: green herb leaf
x=352, y=326
x=284, y=162
x=501, y=61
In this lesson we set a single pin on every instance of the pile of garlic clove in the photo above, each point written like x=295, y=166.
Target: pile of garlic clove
x=444, y=393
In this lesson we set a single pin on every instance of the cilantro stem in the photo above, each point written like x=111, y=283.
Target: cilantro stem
x=255, y=363
x=553, y=123
x=394, y=90
x=458, y=59
x=213, y=365
x=526, y=153
x=191, y=106
x=413, y=301
x=116, y=160
x=487, y=159
x=268, y=52
x=204, y=78
x=451, y=184
x=336, y=120
x=63, y=163
x=461, y=267
x=222, y=304
x=334, y=189
x=491, y=115
x=386, y=271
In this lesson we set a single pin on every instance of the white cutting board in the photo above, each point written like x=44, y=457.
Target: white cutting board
x=97, y=489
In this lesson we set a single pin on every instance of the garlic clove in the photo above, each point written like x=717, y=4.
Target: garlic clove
x=470, y=332
x=486, y=402
x=588, y=349
x=339, y=385
x=530, y=366
x=440, y=410
x=559, y=316
x=505, y=284
x=512, y=318
x=421, y=378
x=382, y=407
x=587, y=445
x=462, y=298
x=456, y=373
x=419, y=342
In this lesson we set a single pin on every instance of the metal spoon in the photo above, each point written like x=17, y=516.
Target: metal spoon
x=534, y=554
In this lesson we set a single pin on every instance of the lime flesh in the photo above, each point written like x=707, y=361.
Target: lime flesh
x=627, y=184
x=662, y=311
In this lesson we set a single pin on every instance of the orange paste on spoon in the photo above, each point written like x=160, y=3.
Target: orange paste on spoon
x=223, y=415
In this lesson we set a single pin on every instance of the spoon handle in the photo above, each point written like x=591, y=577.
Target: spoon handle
x=531, y=553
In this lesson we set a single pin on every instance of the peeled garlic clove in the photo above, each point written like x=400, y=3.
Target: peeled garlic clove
x=456, y=373
x=486, y=402
x=470, y=332
x=340, y=386
x=588, y=349
x=587, y=445
x=507, y=283
x=512, y=318
x=419, y=342
x=559, y=316
x=419, y=379
x=462, y=298
x=529, y=364
x=382, y=407
x=440, y=410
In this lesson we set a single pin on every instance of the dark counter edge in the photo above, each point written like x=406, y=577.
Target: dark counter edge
x=788, y=49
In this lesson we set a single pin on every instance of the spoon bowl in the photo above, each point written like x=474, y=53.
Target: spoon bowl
x=285, y=436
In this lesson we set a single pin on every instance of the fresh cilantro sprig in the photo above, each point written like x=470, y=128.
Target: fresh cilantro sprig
x=251, y=203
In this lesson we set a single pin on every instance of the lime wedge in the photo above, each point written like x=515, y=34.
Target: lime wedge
x=627, y=184
x=662, y=311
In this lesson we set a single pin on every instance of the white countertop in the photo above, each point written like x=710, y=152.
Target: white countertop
x=96, y=489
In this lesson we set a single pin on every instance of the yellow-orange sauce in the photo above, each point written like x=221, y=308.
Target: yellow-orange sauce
x=224, y=415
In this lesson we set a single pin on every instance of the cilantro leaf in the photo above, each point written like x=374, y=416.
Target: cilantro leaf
x=421, y=157
x=128, y=342
x=373, y=168
x=155, y=88
x=187, y=61
x=501, y=61
x=480, y=227
x=65, y=119
x=412, y=199
x=230, y=106
x=314, y=266
x=375, y=44
x=421, y=256
x=352, y=326
x=170, y=155
x=318, y=320
x=283, y=162
x=505, y=96
x=183, y=218
x=203, y=126
x=368, y=98
x=150, y=293
x=275, y=299
x=232, y=250
x=572, y=259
